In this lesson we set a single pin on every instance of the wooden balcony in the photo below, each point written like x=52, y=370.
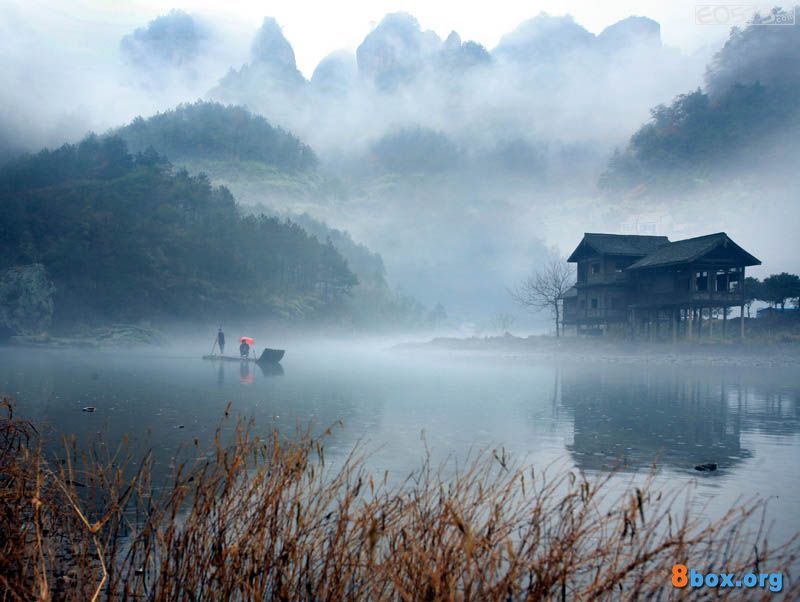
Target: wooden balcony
x=595, y=316
x=603, y=279
x=688, y=299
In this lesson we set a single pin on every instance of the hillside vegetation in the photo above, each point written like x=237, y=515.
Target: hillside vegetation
x=744, y=122
x=211, y=131
x=125, y=237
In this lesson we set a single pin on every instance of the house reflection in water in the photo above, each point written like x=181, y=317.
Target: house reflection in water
x=628, y=417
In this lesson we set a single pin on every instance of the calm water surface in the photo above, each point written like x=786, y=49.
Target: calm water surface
x=587, y=417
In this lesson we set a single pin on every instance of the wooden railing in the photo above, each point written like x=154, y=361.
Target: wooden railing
x=688, y=298
x=595, y=315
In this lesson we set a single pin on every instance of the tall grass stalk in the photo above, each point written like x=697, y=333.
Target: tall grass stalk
x=264, y=518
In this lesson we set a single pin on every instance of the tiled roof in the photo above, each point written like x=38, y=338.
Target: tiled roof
x=621, y=244
x=685, y=251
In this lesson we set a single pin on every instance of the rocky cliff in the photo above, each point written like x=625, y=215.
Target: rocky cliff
x=26, y=300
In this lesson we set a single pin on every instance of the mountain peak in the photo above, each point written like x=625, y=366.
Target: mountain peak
x=453, y=41
x=336, y=72
x=395, y=50
x=271, y=47
x=173, y=39
x=543, y=37
x=632, y=31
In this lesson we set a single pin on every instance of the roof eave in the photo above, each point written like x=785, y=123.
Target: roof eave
x=601, y=253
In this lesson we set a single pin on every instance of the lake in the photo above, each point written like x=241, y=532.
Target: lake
x=590, y=417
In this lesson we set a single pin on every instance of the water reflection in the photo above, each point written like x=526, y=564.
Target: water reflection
x=161, y=402
x=592, y=416
x=629, y=417
x=245, y=377
x=270, y=369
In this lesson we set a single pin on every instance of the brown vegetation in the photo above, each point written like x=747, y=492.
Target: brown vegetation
x=266, y=519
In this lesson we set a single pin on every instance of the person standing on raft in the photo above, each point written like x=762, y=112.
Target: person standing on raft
x=221, y=341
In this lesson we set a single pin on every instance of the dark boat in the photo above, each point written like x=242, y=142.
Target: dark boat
x=268, y=356
x=271, y=356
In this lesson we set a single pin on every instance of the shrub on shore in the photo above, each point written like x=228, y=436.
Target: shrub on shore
x=267, y=519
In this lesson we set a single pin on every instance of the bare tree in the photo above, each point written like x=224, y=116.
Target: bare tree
x=545, y=289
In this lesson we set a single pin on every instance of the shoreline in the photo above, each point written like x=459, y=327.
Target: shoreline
x=753, y=354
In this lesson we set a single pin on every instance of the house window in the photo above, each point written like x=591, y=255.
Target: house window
x=595, y=268
x=733, y=281
x=722, y=280
x=594, y=303
x=701, y=281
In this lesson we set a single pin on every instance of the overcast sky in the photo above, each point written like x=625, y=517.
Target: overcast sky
x=317, y=27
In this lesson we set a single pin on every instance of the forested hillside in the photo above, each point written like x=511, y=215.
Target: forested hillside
x=236, y=148
x=211, y=131
x=125, y=237
x=261, y=166
x=745, y=121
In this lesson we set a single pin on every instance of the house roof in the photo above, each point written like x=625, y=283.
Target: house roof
x=619, y=244
x=690, y=249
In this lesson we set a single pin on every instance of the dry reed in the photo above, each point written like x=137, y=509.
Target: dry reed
x=266, y=519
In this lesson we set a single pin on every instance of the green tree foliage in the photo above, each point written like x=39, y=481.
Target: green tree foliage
x=752, y=291
x=414, y=150
x=125, y=237
x=689, y=140
x=366, y=264
x=777, y=288
x=768, y=55
x=748, y=116
x=212, y=131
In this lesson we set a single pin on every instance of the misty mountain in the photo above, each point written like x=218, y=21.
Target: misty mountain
x=405, y=77
x=544, y=39
x=270, y=48
x=630, y=32
x=744, y=124
x=768, y=55
x=425, y=140
x=366, y=264
x=127, y=237
x=414, y=150
x=270, y=78
x=174, y=40
x=336, y=74
x=272, y=170
x=761, y=53
x=456, y=57
x=211, y=131
x=396, y=51
x=439, y=154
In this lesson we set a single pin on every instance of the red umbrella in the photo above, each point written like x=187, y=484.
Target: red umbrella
x=247, y=340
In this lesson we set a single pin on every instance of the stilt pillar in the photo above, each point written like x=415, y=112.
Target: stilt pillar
x=674, y=315
x=724, y=323
x=741, y=322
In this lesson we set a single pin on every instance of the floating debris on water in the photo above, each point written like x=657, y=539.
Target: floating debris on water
x=709, y=467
